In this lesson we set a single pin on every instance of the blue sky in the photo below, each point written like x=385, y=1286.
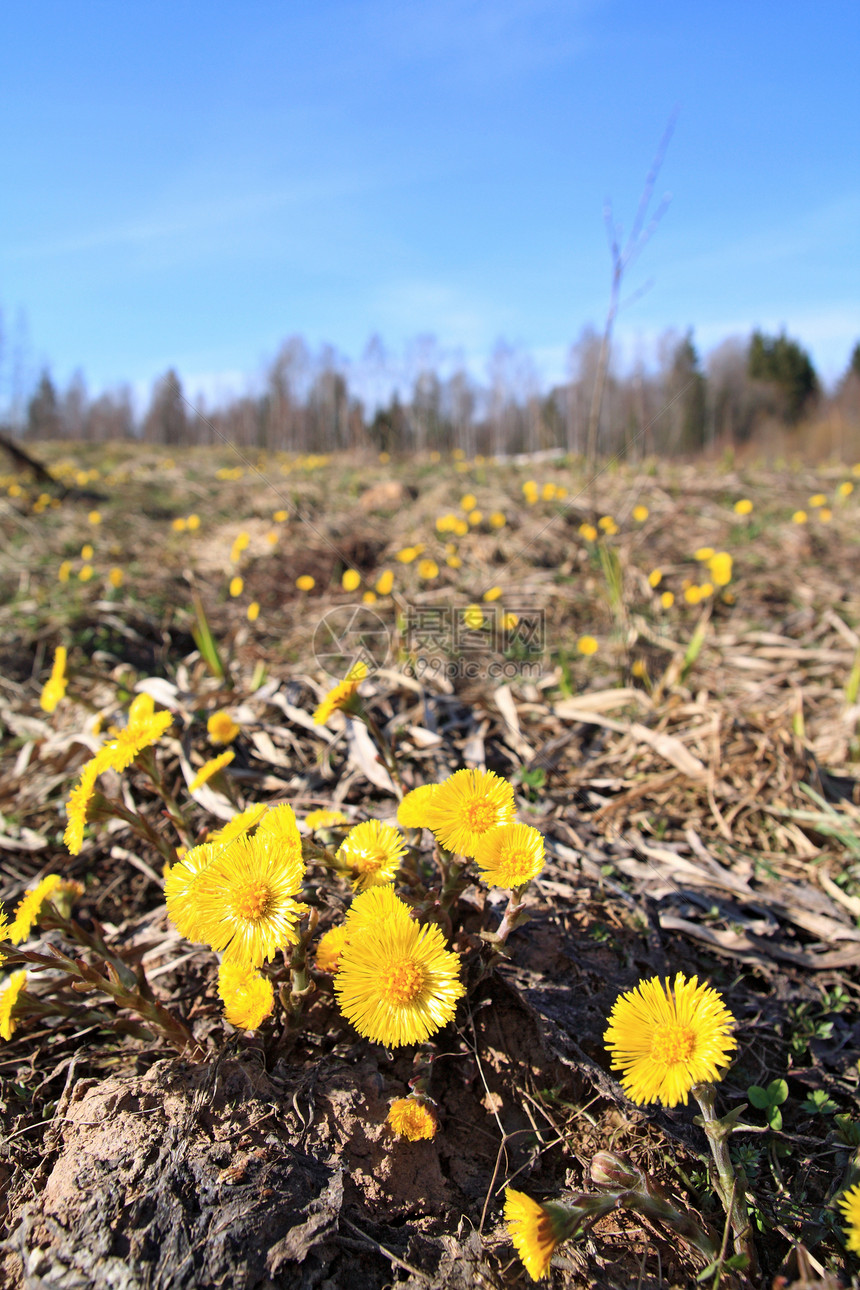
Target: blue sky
x=189, y=183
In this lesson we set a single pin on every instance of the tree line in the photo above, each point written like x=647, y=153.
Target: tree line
x=320, y=403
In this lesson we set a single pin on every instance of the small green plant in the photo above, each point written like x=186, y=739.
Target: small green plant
x=532, y=780
x=805, y=1027
x=769, y=1100
x=848, y=1131
x=818, y=1103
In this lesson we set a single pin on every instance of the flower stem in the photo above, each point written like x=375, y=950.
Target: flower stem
x=729, y=1185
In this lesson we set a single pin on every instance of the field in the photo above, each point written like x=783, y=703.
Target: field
x=664, y=664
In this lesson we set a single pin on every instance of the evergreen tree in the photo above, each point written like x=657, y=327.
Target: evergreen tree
x=785, y=365
x=43, y=412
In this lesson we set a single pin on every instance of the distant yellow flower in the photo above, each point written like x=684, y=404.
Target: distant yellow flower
x=237, y=586
x=720, y=566
x=825, y=515
x=372, y=853
x=665, y=1038
x=342, y=697
x=693, y=595
x=211, y=768
x=52, y=888
x=245, y=902
x=305, y=582
x=87, y=551
x=743, y=507
x=640, y=514
x=242, y=822
x=587, y=645
x=498, y=520
x=324, y=819
x=330, y=948
x=369, y=597
x=221, y=727
x=530, y=490
x=64, y=571
x=95, y=518
x=54, y=688
x=548, y=492
x=351, y=579
x=85, y=572
x=473, y=618
x=706, y=590
x=397, y=983
x=846, y=488
x=280, y=517
x=510, y=856
x=469, y=502
x=491, y=594
x=588, y=531
x=655, y=577
x=849, y=1203
x=141, y=708
x=467, y=805
x=607, y=523
x=116, y=577
x=818, y=499
x=453, y=562
x=703, y=553
x=461, y=528
x=193, y=522
x=509, y=621
x=428, y=569
x=413, y=811
x=639, y=669
x=385, y=582
x=8, y=998
x=124, y=745
x=253, y=611
x=410, y=1118
x=475, y=518
x=248, y=996
x=536, y=1230
x=178, y=524
x=800, y=517
x=406, y=554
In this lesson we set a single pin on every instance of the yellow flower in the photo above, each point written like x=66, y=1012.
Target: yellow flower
x=279, y=823
x=397, y=983
x=510, y=856
x=846, y=488
x=666, y=1038
x=667, y=599
x=343, y=696
x=86, y=552
x=473, y=618
x=305, y=582
x=8, y=998
x=469, y=502
x=693, y=595
x=221, y=727
x=193, y=522
x=95, y=518
x=412, y=1119
x=64, y=571
x=55, y=687
x=351, y=579
x=536, y=1230
x=588, y=531
x=475, y=518
x=607, y=523
x=178, y=525
x=180, y=888
x=244, y=899
x=253, y=611
x=428, y=569
x=324, y=819
x=703, y=553
x=509, y=621
x=453, y=562
x=530, y=491
x=385, y=582
x=825, y=515
x=640, y=514
x=743, y=507
x=467, y=805
x=248, y=996
x=414, y=811
x=237, y=585
x=587, y=645
x=818, y=499
x=493, y=593
x=85, y=573
x=76, y=806
x=372, y=853
x=30, y=907
x=407, y=554
x=116, y=577
x=498, y=520
x=210, y=768
x=720, y=565
x=369, y=597
x=800, y=517
x=280, y=517
x=461, y=528
x=655, y=577
x=241, y=823
x=706, y=590
x=330, y=948
x=548, y=492
x=375, y=906
x=141, y=708
x=849, y=1203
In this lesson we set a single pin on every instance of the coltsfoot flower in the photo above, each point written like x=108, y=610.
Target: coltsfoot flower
x=248, y=996
x=666, y=1038
x=323, y=819
x=411, y=1118
x=372, y=853
x=467, y=805
x=510, y=856
x=210, y=769
x=343, y=696
x=849, y=1203
x=536, y=1230
x=330, y=947
x=397, y=983
x=221, y=728
x=54, y=688
x=414, y=811
x=8, y=998
x=51, y=888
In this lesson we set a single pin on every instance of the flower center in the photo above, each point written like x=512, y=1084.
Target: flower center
x=402, y=982
x=672, y=1043
x=370, y=861
x=252, y=901
x=480, y=816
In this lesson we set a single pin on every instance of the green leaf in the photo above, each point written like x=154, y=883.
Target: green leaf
x=774, y=1117
x=777, y=1091
x=759, y=1097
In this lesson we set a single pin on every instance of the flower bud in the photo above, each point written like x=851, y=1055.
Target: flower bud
x=609, y=1170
